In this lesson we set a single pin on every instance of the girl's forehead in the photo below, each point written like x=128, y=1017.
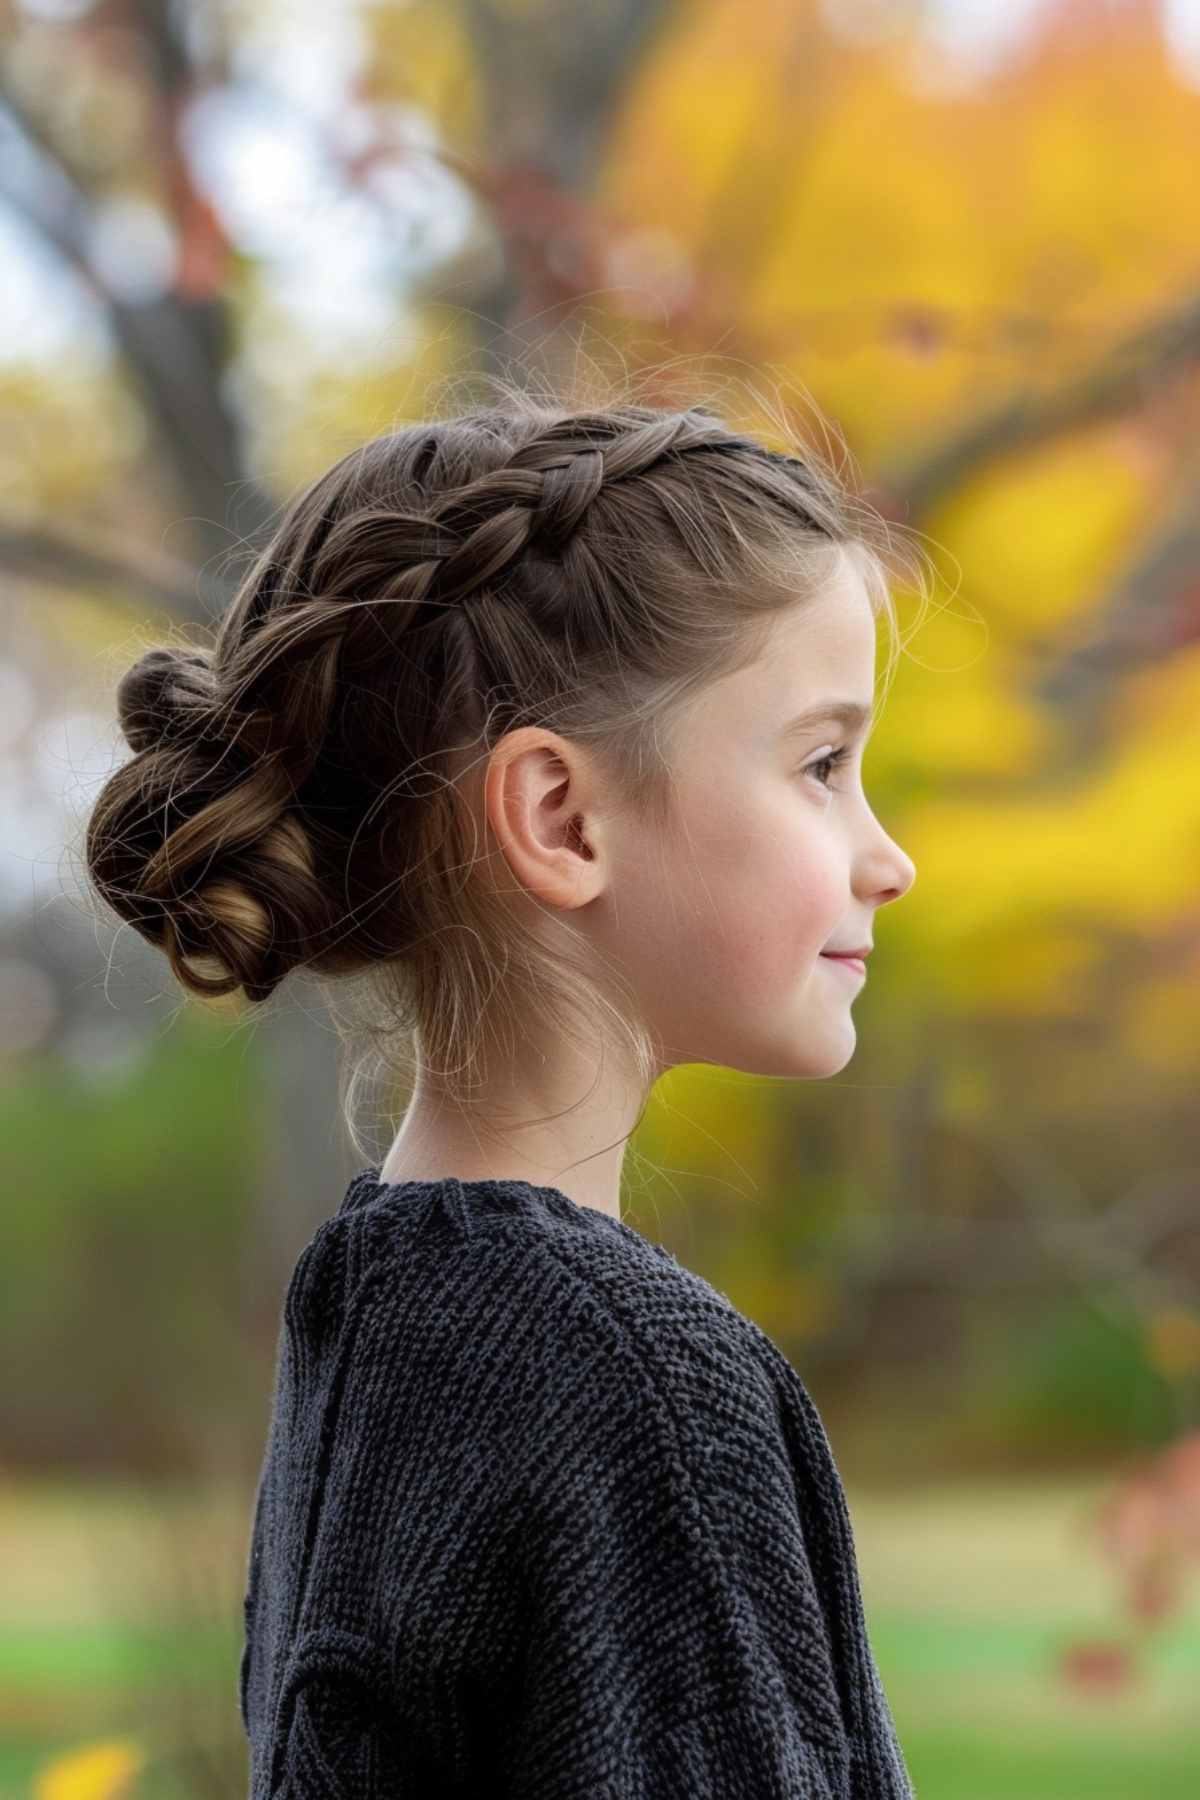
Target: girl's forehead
x=816, y=674
x=830, y=638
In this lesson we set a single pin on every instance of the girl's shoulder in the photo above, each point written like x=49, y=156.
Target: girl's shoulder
x=464, y=1262
x=528, y=1256
x=506, y=1312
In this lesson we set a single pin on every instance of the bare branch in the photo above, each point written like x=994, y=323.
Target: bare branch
x=174, y=345
x=92, y=556
x=1151, y=610
x=1122, y=377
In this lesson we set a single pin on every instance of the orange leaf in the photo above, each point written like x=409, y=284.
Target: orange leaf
x=1097, y=1667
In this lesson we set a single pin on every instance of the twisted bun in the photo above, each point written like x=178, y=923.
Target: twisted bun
x=169, y=692
x=192, y=841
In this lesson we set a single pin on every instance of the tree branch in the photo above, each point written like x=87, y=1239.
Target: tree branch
x=1122, y=377
x=1149, y=612
x=57, y=555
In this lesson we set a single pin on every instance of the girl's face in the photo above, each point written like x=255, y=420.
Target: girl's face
x=776, y=858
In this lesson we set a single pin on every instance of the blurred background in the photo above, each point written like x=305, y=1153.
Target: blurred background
x=237, y=239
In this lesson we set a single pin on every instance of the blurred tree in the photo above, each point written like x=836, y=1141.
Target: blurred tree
x=753, y=182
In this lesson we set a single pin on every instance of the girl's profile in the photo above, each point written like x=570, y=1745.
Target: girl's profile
x=535, y=733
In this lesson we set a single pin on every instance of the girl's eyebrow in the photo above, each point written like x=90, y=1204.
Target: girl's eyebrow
x=849, y=713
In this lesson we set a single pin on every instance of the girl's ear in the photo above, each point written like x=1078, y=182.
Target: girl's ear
x=539, y=804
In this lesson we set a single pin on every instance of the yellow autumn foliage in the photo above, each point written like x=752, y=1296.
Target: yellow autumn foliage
x=836, y=188
x=1041, y=536
x=100, y=1771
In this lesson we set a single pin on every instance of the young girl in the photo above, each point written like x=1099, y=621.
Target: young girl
x=549, y=726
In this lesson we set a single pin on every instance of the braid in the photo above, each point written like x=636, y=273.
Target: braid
x=540, y=497
x=284, y=674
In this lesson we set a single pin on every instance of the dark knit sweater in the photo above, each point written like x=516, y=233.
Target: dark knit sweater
x=543, y=1515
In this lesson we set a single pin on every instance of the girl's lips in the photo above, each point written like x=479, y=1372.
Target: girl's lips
x=853, y=963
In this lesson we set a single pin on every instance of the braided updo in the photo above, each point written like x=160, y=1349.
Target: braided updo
x=294, y=797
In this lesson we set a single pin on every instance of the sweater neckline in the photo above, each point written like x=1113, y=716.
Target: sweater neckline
x=368, y=1185
x=493, y=1194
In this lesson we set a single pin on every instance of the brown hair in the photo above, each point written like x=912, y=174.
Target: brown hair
x=297, y=793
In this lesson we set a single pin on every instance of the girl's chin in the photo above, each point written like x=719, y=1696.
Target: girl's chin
x=815, y=1056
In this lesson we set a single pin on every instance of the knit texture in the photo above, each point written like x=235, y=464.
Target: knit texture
x=541, y=1514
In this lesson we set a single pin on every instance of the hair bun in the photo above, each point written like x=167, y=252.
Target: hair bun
x=167, y=692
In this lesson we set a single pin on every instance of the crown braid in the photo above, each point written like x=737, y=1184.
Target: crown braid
x=436, y=557
x=539, y=499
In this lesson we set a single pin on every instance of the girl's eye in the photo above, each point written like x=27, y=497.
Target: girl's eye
x=828, y=763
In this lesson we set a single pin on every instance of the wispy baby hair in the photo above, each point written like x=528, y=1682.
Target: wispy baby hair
x=300, y=794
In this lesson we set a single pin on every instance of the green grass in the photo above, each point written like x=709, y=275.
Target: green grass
x=960, y=1764
x=59, y=1658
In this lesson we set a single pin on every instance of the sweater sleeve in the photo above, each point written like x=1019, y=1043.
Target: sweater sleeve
x=677, y=1644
